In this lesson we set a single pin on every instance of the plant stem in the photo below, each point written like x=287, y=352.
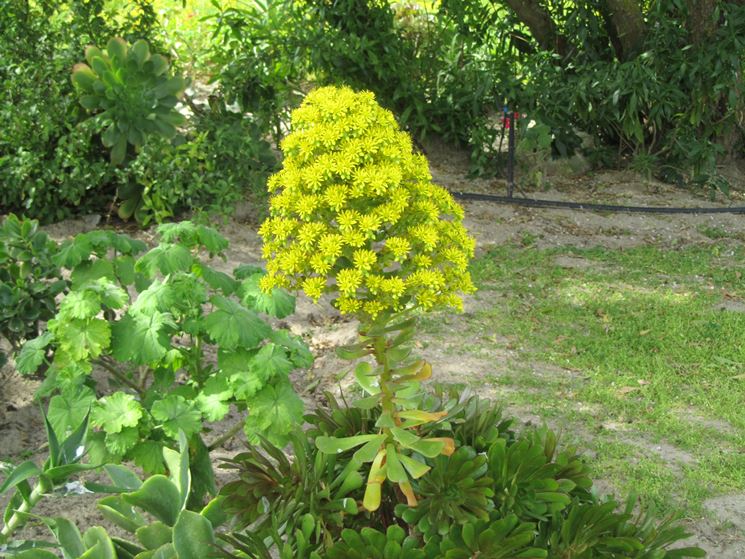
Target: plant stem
x=116, y=373
x=388, y=406
x=16, y=520
x=225, y=437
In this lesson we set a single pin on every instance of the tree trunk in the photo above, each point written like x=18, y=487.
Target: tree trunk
x=541, y=26
x=701, y=23
x=624, y=21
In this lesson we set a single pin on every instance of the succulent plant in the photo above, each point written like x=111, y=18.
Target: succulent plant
x=608, y=530
x=531, y=480
x=130, y=91
x=132, y=95
x=153, y=511
x=369, y=543
x=503, y=538
x=455, y=491
x=274, y=493
x=471, y=420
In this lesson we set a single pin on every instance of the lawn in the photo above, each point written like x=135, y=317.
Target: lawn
x=647, y=349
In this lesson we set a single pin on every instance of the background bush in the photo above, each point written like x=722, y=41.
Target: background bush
x=52, y=161
x=656, y=85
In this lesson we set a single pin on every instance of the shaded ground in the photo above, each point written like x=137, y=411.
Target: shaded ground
x=542, y=338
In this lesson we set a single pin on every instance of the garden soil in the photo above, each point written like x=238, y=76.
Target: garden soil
x=720, y=533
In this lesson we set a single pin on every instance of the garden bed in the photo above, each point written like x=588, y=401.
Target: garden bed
x=688, y=456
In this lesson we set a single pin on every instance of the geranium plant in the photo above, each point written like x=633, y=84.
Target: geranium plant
x=150, y=324
x=354, y=214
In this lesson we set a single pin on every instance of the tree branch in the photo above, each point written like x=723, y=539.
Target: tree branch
x=541, y=26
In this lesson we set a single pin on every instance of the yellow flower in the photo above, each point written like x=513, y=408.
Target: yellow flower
x=353, y=239
x=314, y=287
x=369, y=223
x=426, y=299
x=314, y=176
x=394, y=286
x=320, y=265
x=347, y=219
x=422, y=261
x=373, y=308
x=374, y=284
x=309, y=232
x=348, y=305
x=399, y=246
x=348, y=280
x=330, y=246
x=388, y=213
x=364, y=260
x=426, y=235
x=268, y=282
x=336, y=196
x=353, y=193
x=306, y=206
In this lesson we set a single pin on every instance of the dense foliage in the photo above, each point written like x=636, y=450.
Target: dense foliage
x=54, y=158
x=29, y=280
x=148, y=322
x=658, y=84
x=524, y=497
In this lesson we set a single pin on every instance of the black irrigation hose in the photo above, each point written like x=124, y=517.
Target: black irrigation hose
x=535, y=203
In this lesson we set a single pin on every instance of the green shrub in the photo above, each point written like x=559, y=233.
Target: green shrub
x=259, y=55
x=149, y=322
x=223, y=160
x=29, y=280
x=55, y=159
x=52, y=163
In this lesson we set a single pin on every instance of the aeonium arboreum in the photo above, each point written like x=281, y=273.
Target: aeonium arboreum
x=354, y=214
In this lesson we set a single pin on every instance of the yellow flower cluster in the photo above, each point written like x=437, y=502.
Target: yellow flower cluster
x=354, y=212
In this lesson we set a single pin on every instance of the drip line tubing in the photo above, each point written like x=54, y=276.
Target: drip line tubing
x=560, y=204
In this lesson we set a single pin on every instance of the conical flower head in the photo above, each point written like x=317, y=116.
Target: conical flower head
x=354, y=213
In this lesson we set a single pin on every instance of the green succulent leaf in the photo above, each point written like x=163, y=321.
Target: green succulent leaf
x=193, y=536
x=159, y=497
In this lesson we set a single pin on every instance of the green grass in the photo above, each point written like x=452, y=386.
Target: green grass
x=656, y=381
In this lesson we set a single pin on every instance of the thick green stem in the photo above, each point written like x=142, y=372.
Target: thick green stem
x=380, y=348
x=16, y=520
